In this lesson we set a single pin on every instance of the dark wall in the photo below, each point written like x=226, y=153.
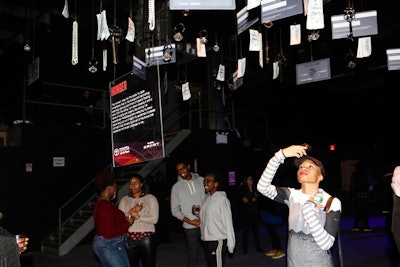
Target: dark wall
x=30, y=200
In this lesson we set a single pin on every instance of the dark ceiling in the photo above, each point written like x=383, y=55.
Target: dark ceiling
x=353, y=106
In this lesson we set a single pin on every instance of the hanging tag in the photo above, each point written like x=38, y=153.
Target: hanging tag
x=65, y=11
x=275, y=69
x=295, y=34
x=130, y=36
x=104, y=59
x=241, y=67
x=186, y=91
x=221, y=73
x=254, y=43
x=315, y=15
x=364, y=47
x=201, y=48
x=74, y=60
x=152, y=15
x=261, y=52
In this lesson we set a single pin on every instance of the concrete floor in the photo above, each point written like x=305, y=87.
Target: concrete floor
x=358, y=249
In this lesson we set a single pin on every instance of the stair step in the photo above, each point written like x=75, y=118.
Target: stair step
x=79, y=220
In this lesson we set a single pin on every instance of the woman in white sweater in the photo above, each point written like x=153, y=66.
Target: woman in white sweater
x=141, y=234
x=314, y=216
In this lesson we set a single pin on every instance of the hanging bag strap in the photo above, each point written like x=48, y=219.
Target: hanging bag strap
x=328, y=204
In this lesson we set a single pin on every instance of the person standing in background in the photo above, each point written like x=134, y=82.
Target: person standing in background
x=142, y=243
x=314, y=215
x=271, y=219
x=216, y=222
x=186, y=192
x=360, y=190
x=109, y=243
x=250, y=213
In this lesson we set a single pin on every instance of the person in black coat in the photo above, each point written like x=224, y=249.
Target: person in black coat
x=11, y=247
x=250, y=213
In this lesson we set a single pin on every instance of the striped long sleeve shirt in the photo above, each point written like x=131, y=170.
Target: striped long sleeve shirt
x=312, y=230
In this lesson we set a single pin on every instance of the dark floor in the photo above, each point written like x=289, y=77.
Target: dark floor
x=358, y=249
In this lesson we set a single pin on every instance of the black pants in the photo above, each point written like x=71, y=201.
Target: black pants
x=275, y=239
x=194, y=245
x=144, y=250
x=215, y=253
x=251, y=223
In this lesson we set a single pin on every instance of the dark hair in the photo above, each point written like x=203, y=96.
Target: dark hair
x=104, y=179
x=137, y=175
x=299, y=161
x=217, y=178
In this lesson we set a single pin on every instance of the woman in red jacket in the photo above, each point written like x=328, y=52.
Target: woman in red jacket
x=109, y=243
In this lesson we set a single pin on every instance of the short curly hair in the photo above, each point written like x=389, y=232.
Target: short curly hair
x=104, y=179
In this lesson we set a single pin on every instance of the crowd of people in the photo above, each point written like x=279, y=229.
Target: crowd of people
x=128, y=234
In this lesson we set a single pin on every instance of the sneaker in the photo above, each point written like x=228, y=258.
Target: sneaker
x=272, y=252
x=355, y=229
x=367, y=229
x=279, y=254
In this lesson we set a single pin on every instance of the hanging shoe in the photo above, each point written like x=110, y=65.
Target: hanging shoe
x=279, y=254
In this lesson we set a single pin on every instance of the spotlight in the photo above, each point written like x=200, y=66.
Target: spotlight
x=93, y=65
x=179, y=29
x=203, y=34
x=27, y=47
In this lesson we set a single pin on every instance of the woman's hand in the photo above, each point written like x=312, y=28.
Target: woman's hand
x=22, y=244
x=295, y=151
x=396, y=181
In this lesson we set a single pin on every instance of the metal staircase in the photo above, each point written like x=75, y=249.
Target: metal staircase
x=74, y=224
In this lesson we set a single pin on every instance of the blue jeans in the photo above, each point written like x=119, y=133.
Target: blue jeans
x=112, y=251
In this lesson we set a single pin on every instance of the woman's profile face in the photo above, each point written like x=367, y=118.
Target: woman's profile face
x=249, y=180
